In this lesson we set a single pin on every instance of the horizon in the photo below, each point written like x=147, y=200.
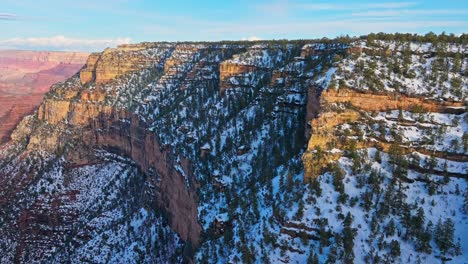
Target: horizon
x=88, y=26
x=224, y=40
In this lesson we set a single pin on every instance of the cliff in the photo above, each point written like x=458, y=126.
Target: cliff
x=191, y=152
x=355, y=106
x=228, y=69
x=354, y=91
x=112, y=63
x=121, y=132
x=123, y=102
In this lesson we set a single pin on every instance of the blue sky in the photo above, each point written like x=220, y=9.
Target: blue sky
x=95, y=24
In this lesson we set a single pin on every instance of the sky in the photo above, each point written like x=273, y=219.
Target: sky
x=92, y=25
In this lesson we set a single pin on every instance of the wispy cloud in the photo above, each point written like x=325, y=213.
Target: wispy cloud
x=283, y=7
x=391, y=5
x=336, y=27
x=7, y=16
x=407, y=12
x=343, y=7
x=61, y=43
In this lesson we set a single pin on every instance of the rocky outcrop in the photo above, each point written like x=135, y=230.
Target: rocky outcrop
x=318, y=49
x=322, y=127
x=228, y=69
x=183, y=53
x=88, y=73
x=367, y=101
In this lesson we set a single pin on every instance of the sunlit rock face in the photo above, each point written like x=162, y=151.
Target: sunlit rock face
x=115, y=62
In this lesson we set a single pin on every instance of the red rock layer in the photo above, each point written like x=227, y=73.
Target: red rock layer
x=25, y=76
x=12, y=111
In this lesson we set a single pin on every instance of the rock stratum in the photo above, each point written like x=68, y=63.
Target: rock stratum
x=237, y=152
x=25, y=76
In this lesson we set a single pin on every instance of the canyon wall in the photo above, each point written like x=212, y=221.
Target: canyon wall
x=367, y=101
x=80, y=117
x=322, y=128
x=228, y=69
x=101, y=126
x=34, y=71
x=25, y=76
x=123, y=95
x=114, y=62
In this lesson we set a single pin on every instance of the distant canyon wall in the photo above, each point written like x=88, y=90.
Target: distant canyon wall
x=25, y=76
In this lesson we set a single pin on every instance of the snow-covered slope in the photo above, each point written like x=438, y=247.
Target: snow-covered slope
x=231, y=122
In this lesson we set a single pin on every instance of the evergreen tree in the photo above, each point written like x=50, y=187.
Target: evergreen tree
x=348, y=238
x=394, y=249
x=444, y=234
x=313, y=258
x=390, y=228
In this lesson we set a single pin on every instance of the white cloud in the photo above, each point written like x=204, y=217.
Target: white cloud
x=61, y=43
x=8, y=16
x=252, y=38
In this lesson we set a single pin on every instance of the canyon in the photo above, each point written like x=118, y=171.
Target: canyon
x=239, y=151
x=25, y=76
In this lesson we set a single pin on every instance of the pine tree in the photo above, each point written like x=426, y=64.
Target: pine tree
x=390, y=228
x=394, y=249
x=348, y=238
x=314, y=186
x=444, y=234
x=332, y=256
x=313, y=258
x=424, y=239
x=377, y=157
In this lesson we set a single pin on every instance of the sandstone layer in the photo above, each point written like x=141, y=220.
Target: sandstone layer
x=323, y=127
x=114, y=62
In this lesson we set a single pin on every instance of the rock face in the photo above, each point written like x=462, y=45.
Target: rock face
x=102, y=126
x=367, y=101
x=25, y=76
x=14, y=108
x=228, y=69
x=324, y=125
x=112, y=63
x=116, y=104
x=177, y=189
x=93, y=124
